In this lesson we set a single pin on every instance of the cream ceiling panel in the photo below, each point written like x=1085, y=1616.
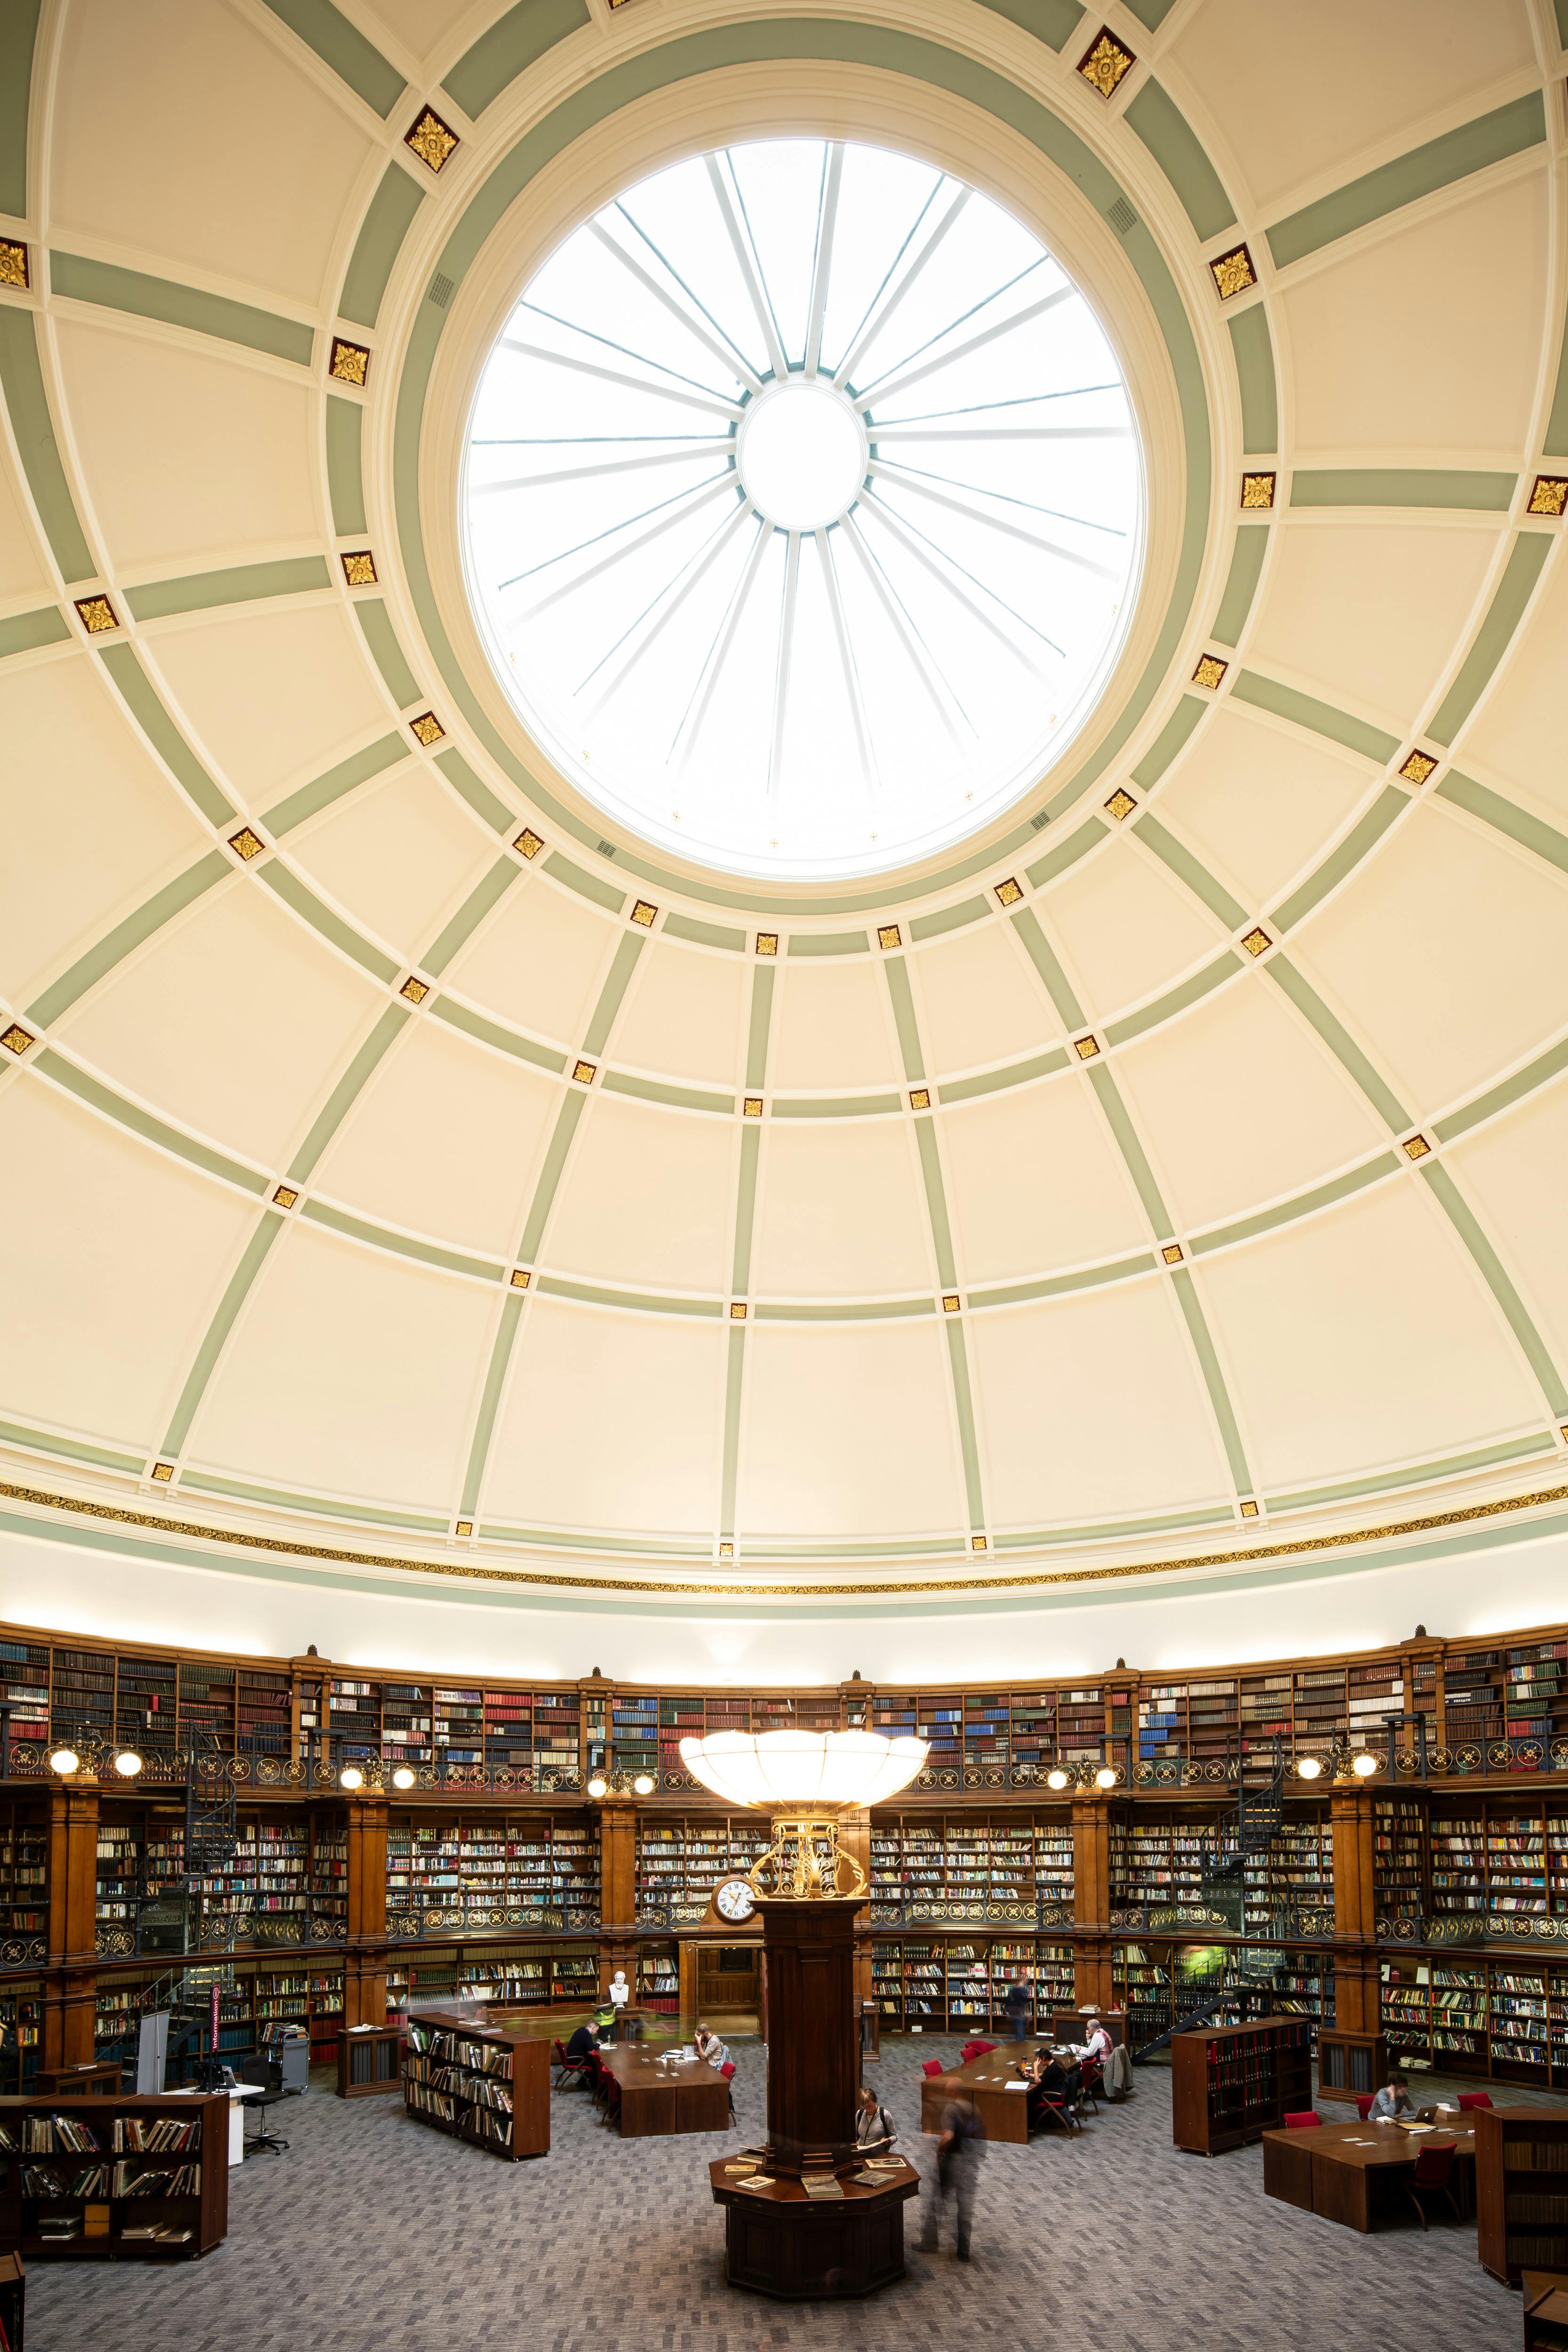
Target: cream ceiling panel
x=350, y=1372
x=1520, y=733
x=686, y=1015
x=1258, y=802
x=1362, y=1336
x=832, y=1027
x=112, y=1257
x=1512, y=1172
x=1300, y=93
x=1034, y=1183
x=1241, y=1104
x=400, y=853
x=446, y=1139
x=1369, y=612
x=1091, y=1408
x=234, y=1022
x=426, y=28
x=23, y=575
x=840, y=1210
x=1425, y=344
x=279, y=694
x=978, y=1001
x=1449, y=951
x=189, y=456
x=610, y=1421
x=90, y=824
x=1126, y=926
x=539, y=962
x=251, y=193
x=848, y=1431
x=648, y=1198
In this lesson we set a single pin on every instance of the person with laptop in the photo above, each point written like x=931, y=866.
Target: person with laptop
x=1393, y=2101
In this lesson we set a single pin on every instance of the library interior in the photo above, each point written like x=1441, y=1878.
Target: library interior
x=886, y=1487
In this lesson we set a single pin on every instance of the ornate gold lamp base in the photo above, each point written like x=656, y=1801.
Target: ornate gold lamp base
x=807, y=1863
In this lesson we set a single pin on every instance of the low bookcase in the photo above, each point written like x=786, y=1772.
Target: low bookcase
x=1522, y=2191
x=479, y=2083
x=1230, y=2084
x=81, y=2183
x=370, y=2061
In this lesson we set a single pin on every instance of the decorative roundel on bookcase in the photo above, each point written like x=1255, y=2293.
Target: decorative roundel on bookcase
x=734, y=1900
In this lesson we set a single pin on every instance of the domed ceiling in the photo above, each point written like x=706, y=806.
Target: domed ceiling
x=413, y=1138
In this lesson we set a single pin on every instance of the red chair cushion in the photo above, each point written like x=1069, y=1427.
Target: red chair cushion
x=1364, y=2104
x=930, y=2066
x=1434, y=2165
x=1304, y=2121
x=1469, y=2099
x=728, y=2069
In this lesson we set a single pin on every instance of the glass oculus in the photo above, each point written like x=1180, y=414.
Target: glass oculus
x=801, y=509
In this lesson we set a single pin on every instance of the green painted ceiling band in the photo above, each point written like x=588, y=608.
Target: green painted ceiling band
x=385, y=224
x=903, y=1003
x=659, y=1090
x=1052, y=21
x=341, y=46
x=1317, y=718
x=1359, y=842
x=1403, y=486
x=1339, y=1042
x=770, y=1547
x=361, y=1229
x=759, y=1026
x=587, y=885
x=963, y=1402
x=1043, y=956
x=308, y=800
x=487, y=806
x=1241, y=584
x=1508, y=1091
x=1060, y=1286
x=1465, y=1223
x=1490, y=138
x=1169, y=741
x=847, y=1310
x=27, y=405
x=730, y=1465
x=991, y=1082
x=745, y=1211
x=19, y=30
x=285, y=884
x=1179, y=858
x=23, y=633
x=39, y=1441
x=836, y=1106
x=489, y=1400
x=522, y=1048
x=1130, y=1147
x=1170, y=137
x=1122, y=1530
x=617, y=982
x=375, y=625
x=136, y=690
x=1531, y=832
x=252, y=1259
x=1299, y=1204
x=325, y=1507
x=629, y=1302
x=164, y=299
x=1214, y=1379
x=704, y=935
x=625, y=1547
x=1088, y=836
x=1515, y=1449
x=240, y=583
x=328, y=1120
x=512, y=44
x=1252, y=348
x=50, y=1064
x=1197, y=986
x=828, y=943
x=1555, y=444
x=560, y=1144
x=125, y=936
x=645, y=75
x=1504, y=613
x=949, y=918
x=342, y=426
x=1151, y=13
x=936, y=1201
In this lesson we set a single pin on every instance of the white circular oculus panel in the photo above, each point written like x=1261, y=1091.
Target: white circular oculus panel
x=802, y=509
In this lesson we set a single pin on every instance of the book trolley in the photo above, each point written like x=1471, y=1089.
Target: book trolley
x=478, y=2083
x=1230, y=2084
x=93, y=2179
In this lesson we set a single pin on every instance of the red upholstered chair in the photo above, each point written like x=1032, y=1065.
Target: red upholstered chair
x=975, y=2050
x=1304, y=2120
x=1431, y=2177
x=931, y=2066
x=1363, y=2103
x=1469, y=2099
x=728, y=2071
x=612, y=2098
x=568, y=2070
x=1058, y=2111
x=1091, y=2079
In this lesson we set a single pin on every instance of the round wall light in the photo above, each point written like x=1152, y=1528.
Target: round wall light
x=127, y=1763
x=350, y=1776
x=65, y=1760
x=643, y=1785
x=599, y=1786
x=1365, y=1765
x=403, y=1777
x=1309, y=1767
x=1105, y=1777
x=1056, y=1778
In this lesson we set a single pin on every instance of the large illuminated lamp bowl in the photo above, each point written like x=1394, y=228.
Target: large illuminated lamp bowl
x=819, y=1771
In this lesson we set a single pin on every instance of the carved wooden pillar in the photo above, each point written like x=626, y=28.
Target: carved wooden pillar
x=1356, y=1911
x=814, y=2040
x=618, y=1862
x=364, y=1967
x=70, y=1988
x=855, y=1839
x=1091, y=1901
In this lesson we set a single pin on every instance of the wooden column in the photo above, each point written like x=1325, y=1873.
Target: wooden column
x=1356, y=1987
x=618, y=1862
x=364, y=1964
x=69, y=1988
x=855, y=1839
x=814, y=2041
x=1091, y=1901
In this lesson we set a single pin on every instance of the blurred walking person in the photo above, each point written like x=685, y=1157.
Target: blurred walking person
x=959, y=2154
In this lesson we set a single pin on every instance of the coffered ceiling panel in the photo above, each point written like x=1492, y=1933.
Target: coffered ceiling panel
x=1036, y=1184
x=686, y=1015
x=1519, y=736
x=539, y=960
x=1126, y=928
x=832, y=1027
x=979, y=1000
x=648, y=1197
x=841, y=1212
x=1257, y=801
x=400, y=853
x=277, y=695
x=848, y=1425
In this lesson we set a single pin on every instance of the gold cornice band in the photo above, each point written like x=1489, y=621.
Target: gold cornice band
x=1256, y=1553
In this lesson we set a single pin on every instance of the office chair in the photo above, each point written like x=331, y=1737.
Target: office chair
x=1432, y=2177
x=728, y=2071
x=268, y=2073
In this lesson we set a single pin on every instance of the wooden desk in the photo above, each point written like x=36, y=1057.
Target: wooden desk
x=782, y=2242
x=1344, y=2172
x=684, y=2095
x=100, y=2081
x=1003, y=2113
x=1545, y=2310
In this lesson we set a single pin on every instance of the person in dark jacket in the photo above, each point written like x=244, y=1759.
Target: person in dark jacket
x=585, y=2039
x=959, y=2153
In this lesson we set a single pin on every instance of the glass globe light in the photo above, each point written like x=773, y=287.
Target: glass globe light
x=825, y=1769
x=64, y=1760
x=1106, y=1777
x=1309, y=1767
x=1056, y=1779
x=403, y=1777
x=643, y=1785
x=128, y=1763
x=1365, y=1765
x=599, y=1786
x=350, y=1776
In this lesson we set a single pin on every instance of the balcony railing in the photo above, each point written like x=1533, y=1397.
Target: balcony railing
x=412, y=1922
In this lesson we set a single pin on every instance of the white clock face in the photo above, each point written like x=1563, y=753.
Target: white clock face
x=734, y=1900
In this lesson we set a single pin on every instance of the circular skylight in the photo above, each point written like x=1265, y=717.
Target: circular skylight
x=802, y=507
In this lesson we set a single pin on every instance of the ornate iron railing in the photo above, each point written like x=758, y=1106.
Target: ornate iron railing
x=412, y=1922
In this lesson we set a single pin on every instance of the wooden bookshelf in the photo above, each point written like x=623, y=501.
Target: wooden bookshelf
x=1522, y=2191
x=1230, y=2084
x=89, y=2183
x=479, y=2083
x=370, y=2061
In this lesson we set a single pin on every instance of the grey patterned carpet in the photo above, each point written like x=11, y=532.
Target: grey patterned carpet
x=376, y=2235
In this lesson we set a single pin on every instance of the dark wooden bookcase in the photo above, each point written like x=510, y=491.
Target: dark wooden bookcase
x=1522, y=2191
x=370, y=2061
x=102, y=2218
x=478, y=2083
x=1230, y=2084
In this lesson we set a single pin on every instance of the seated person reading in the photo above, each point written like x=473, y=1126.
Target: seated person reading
x=873, y=2125
x=710, y=2048
x=1048, y=2081
x=585, y=2039
x=1392, y=2101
